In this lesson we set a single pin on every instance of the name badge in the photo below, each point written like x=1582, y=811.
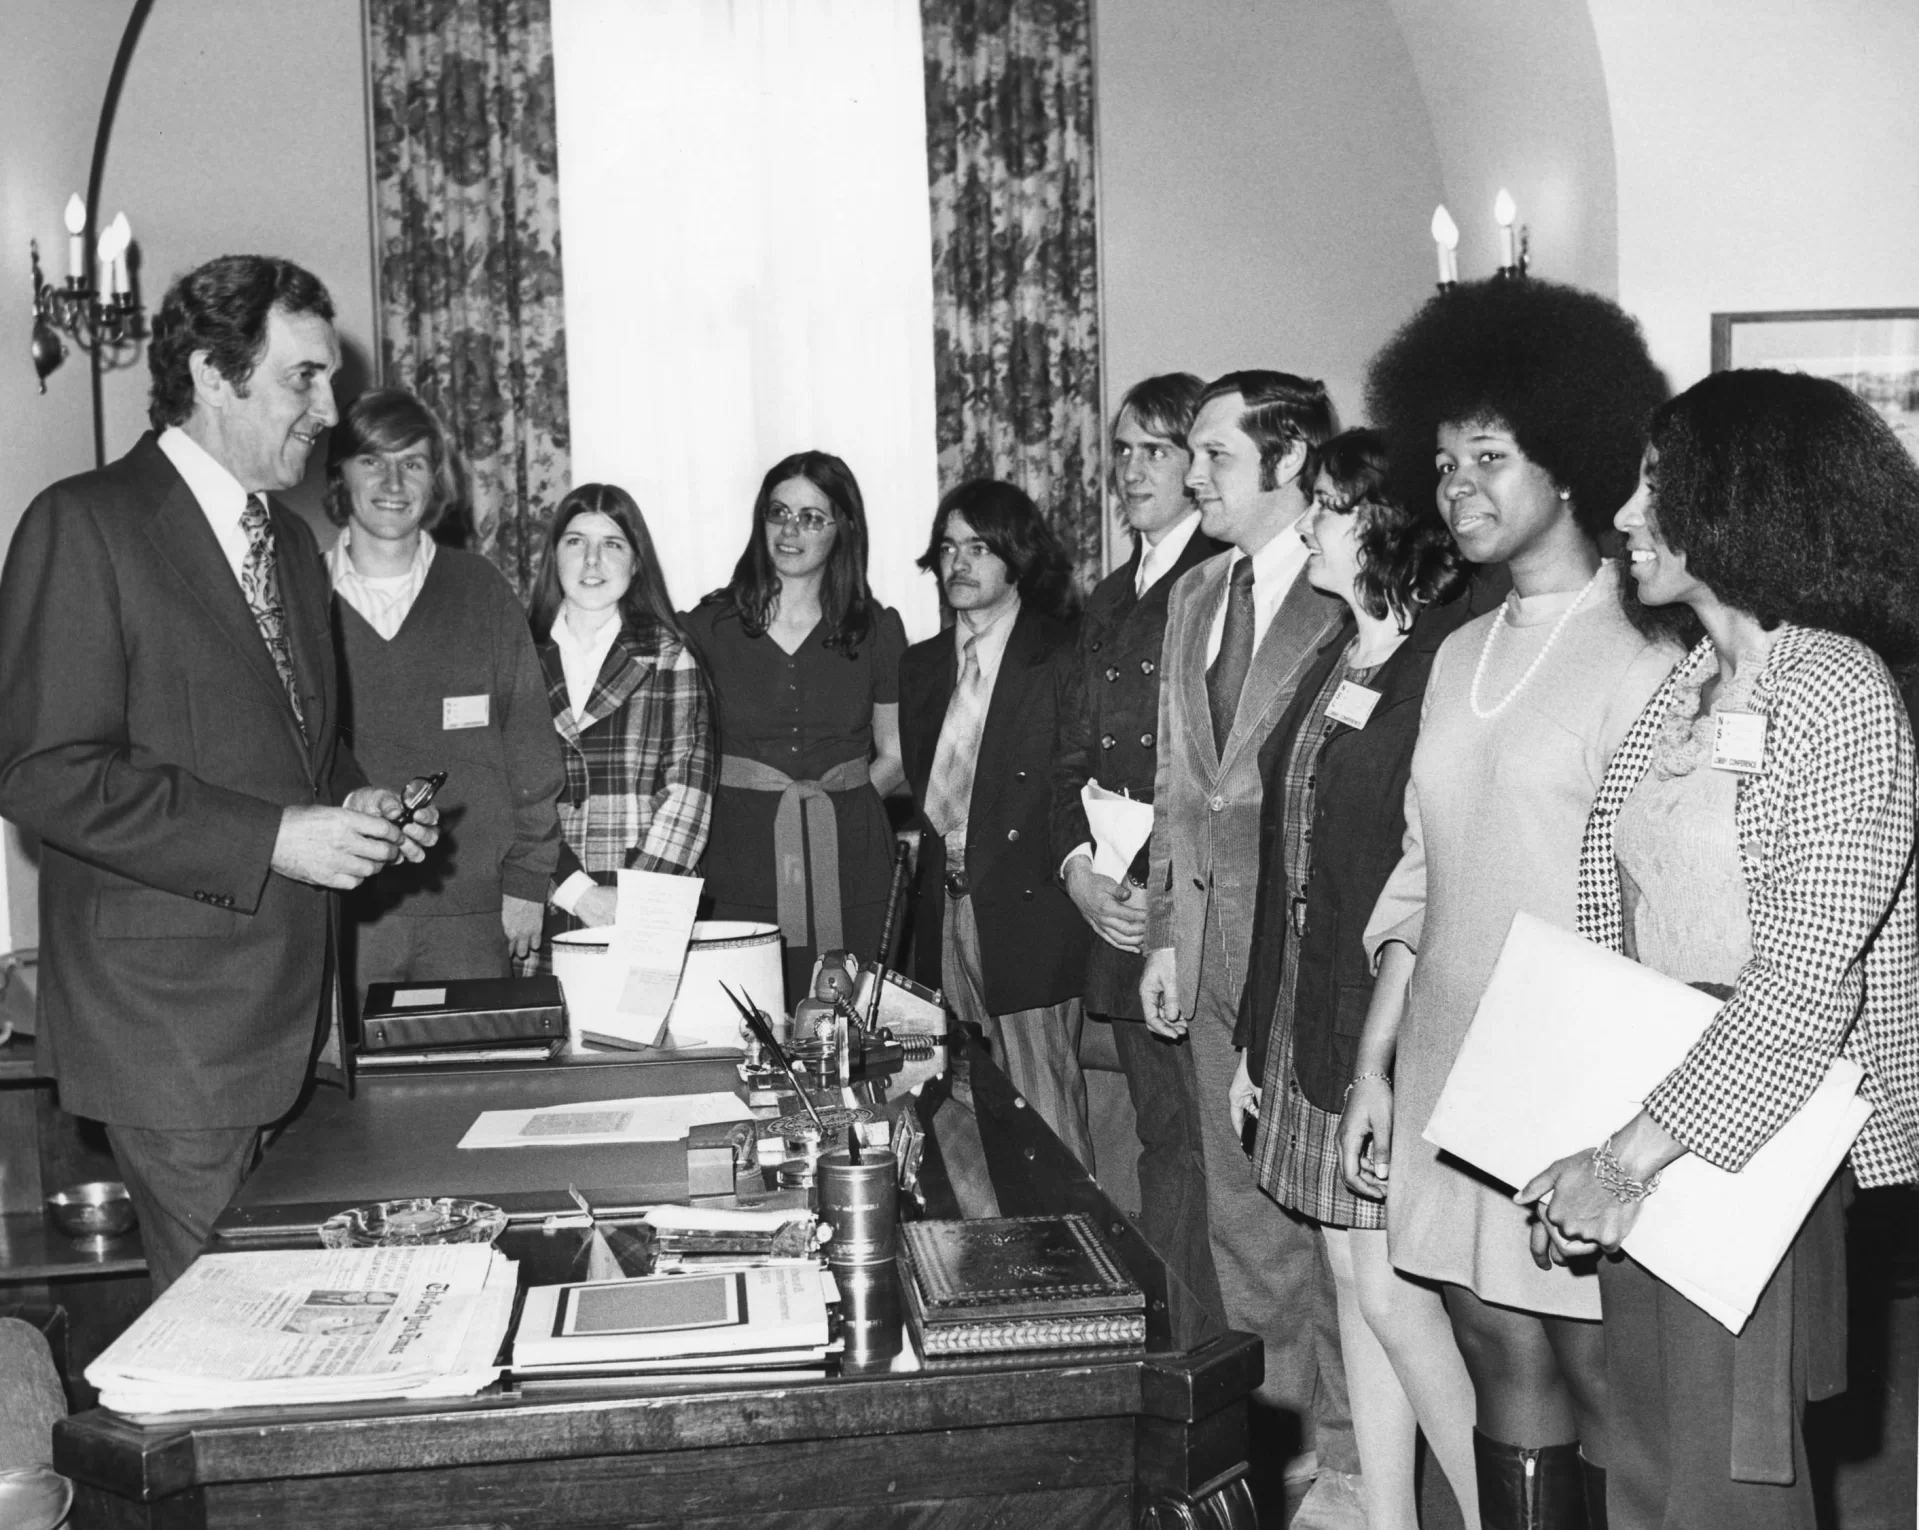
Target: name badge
x=465, y=711
x=1739, y=742
x=1352, y=704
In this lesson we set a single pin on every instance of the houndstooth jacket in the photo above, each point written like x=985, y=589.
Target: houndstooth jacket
x=640, y=774
x=1826, y=845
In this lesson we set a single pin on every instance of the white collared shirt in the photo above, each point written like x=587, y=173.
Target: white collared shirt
x=1275, y=567
x=384, y=600
x=581, y=659
x=1157, y=561
x=221, y=498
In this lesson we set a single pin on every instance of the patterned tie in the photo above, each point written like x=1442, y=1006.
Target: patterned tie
x=949, y=790
x=1227, y=678
x=261, y=581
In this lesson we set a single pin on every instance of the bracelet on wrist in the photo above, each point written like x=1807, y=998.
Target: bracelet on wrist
x=1360, y=1078
x=1616, y=1182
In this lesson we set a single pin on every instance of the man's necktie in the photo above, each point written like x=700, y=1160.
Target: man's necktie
x=949, y=789
x=1227, y=678
x=260, y=579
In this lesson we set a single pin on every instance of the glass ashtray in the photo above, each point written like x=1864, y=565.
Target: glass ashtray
x=395, y=1224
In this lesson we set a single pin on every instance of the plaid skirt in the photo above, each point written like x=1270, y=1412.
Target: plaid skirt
x=1296, y=1150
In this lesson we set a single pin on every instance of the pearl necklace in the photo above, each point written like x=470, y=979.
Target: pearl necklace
x=1486, y=714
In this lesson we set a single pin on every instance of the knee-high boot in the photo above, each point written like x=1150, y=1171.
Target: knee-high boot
x=1529, y=1487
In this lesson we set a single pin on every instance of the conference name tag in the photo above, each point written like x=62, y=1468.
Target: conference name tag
x=1352, y=704
x=1739, y=742
x=465, y=711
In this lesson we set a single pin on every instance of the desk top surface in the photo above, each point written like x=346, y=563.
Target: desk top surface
x=988, y=1154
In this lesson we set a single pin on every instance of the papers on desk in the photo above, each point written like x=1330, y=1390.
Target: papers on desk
x=1120, y=826
x=1567, y=1042
x=651, y=929
x=593, y=1123
x=770, y=1315
x=309, y=1326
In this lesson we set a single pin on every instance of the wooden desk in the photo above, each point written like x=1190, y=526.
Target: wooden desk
x=1144, y=1439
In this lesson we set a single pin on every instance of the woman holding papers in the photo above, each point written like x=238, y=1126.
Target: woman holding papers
x=1334, y=772
x=1753, y=835
x=1529, y=399
x=629, y=703
x=805, y=669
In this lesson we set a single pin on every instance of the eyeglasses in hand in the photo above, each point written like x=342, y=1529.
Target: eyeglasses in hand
x=811, y=522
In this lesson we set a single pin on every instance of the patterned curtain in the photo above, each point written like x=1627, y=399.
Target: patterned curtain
x=1009, y=138
x=467, y=193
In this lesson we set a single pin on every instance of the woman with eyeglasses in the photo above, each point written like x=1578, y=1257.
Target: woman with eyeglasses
x=805, y=668
x=629, y=704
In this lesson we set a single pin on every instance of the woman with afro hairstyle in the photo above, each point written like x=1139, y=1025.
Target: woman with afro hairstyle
x=1781, y=514
x=1520, y=405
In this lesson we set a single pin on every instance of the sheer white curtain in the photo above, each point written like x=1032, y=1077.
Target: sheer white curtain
x=746, y=246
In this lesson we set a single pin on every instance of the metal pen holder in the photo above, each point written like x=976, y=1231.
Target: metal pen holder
x=860, y=1202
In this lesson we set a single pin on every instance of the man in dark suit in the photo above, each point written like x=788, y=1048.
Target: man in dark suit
x=978, y=717
x=167, y=716
x=1241, y=629
x=1109, y=721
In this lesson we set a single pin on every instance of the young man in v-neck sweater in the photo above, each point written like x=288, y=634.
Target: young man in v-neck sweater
x=438, y=673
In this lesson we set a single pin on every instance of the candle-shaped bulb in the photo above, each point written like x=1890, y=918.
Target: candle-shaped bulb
x=76, y=237
x=1505, y=214
x=122, y=232
x=1446, y=242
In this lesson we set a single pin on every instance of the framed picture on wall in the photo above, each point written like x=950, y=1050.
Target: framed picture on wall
x=1872, y=351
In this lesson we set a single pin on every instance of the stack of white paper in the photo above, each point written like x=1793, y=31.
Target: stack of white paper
x=588, y=1123
x=268, y=1329
x=1566, y=1044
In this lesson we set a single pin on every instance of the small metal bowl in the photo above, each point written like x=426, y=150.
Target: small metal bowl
x=97, y=1209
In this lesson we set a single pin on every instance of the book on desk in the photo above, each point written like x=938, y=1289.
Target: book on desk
x=1017, y=1283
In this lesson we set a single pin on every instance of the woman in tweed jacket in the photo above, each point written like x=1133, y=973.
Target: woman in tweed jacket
x=1780, y=514
x=629, y=702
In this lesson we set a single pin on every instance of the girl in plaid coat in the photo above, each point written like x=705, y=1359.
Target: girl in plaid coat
x=630, y=705
x=1754, y=836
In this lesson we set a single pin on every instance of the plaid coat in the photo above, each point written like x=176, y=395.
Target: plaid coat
x=1826, y=844
x=640, y=775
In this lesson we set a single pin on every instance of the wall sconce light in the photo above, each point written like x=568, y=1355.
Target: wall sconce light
x=1514, y=242
x=103, y=319
x=1446, y=242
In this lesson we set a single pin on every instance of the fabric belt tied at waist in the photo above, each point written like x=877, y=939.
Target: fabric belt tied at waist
x=804, y=829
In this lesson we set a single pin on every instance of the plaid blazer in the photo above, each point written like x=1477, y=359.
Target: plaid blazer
x=640, y=775
x=1826, y=845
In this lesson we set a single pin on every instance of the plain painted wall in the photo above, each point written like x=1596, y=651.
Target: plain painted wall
x=241, y=128
x=1517, y=98
x=1768, y=158
x=54, y=64
x=1267, y=177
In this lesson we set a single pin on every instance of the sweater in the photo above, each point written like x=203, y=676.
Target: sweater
x=458, y=688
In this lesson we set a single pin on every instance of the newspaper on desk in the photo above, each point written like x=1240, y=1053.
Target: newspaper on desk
x=273, y=1328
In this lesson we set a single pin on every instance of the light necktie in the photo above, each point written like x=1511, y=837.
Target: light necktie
x=1227, y=678
x=260, y=579
x=949, y=789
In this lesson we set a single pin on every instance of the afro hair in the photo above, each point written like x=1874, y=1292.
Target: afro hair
x=1566, y=371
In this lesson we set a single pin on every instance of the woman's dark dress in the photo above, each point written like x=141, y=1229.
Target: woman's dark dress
x=803, y=714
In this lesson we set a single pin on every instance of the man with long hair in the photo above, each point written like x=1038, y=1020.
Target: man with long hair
x=978, y=717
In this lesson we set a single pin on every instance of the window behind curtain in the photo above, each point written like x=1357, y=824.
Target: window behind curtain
x=746, y=246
